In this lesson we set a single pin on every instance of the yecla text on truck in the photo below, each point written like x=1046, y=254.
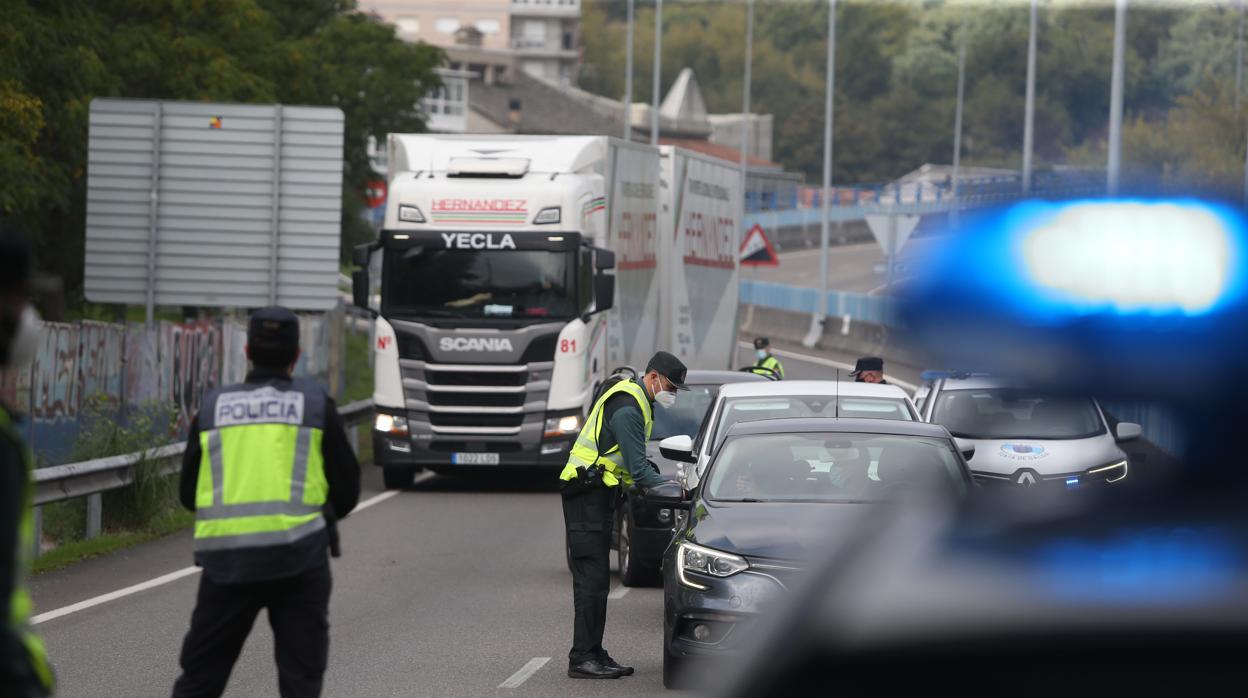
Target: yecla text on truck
x=512, y=273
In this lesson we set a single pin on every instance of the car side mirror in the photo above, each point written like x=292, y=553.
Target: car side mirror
x=966, y=447
x=678, y=448
x=670, y=494
x=1128, y=431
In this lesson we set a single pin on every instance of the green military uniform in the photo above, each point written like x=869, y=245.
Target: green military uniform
x=589, y=515
x=24, y=667
x=771, y=363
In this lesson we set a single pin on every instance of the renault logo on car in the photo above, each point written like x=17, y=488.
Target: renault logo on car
x=1025, y=478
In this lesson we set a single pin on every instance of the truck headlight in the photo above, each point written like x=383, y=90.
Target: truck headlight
x=716, y=563
x=550, y=214
x=391, y=424
x=561, y=426
x=411, y=214
x=1113, y=472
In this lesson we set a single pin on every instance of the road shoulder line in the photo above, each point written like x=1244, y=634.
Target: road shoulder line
x=528, y=670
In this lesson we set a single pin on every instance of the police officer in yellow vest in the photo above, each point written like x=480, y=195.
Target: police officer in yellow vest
x=610, y=452
x=266, y=462
x=24, y=668
x=765, y=359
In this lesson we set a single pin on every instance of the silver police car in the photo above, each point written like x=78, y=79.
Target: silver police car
x=1027, y=439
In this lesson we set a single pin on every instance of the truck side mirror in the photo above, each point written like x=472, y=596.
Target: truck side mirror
x=359, y=288
x=361, y=253
x=603, y=259
x=604, y=292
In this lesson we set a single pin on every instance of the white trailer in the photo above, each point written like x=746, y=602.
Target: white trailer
x=492, y=280
x=701, y=209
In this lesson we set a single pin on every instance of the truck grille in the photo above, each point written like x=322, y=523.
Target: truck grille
x=491, y=403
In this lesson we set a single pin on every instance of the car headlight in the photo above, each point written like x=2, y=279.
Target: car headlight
x=391, y=424
x=411, y=214
x=561, y=426
x=1113, y=472
x=715, y=563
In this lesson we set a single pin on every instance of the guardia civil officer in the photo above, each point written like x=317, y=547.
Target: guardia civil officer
x=24, y=668
x=869, y=369
x=266, y=462
x=610, y=452
x=765, y=359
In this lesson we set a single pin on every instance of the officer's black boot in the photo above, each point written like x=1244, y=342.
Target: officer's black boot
x=610, y=663
x=593, y=669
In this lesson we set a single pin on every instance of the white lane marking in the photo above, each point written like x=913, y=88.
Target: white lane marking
x=176, y=575
x=114, y=595
x=526, y=671
x=830, y=363
x=618, y=592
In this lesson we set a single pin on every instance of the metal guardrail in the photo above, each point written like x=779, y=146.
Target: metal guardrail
x=92, y=478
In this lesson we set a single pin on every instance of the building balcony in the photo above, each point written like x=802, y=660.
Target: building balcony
x=537, y=48
x=545, y=8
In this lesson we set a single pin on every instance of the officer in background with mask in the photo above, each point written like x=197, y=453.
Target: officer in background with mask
x=869, y=369
x=24, y=668
x=266, y=462
x=609, y=452
x=764, y=358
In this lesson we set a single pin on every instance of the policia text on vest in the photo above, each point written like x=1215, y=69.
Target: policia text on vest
x=267, y=469
x=609, y=452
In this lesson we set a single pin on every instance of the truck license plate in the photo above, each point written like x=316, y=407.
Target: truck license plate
x=474, y=458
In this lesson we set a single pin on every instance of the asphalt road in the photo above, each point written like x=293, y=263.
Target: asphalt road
x=450, y=588
x=858, y=267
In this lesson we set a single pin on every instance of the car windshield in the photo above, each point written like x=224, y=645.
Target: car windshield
x=750, y=409
x=1013, y=414
x=686, y=414
x=421, y=282
x=831, y=467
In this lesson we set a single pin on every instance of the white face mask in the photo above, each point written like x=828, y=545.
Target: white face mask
x=25, y=340
x=761, y=354
x=665, y=398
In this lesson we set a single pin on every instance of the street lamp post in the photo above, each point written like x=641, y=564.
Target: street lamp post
x=957, y=126
x=628, y=77
x=816, y=325
x=1029, y=118
x=658, y=62
x=745, y=107
x=1115, y=97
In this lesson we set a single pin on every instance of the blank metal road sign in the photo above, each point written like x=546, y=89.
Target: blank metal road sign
x=217, y=205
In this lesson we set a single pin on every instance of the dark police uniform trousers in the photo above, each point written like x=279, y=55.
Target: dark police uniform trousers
x=588, y=518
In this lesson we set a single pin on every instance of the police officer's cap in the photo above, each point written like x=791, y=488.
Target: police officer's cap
x=669, y=367
x=868, y=363
x=761, y=342
x=274, y=327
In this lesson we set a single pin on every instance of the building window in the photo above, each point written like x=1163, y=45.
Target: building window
x=535, y=30
x=447, y=25
x=488, y=26
x=408, y=25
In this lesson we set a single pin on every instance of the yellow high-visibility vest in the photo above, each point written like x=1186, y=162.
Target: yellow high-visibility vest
x=20, y=604
x=585, y=451
x=262, y=472
x=772, y=363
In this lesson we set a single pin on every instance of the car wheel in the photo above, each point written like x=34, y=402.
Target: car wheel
x=398, y=478
x=673, y=670
x=633, y=573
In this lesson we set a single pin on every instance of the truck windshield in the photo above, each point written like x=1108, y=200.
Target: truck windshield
x=479, y=283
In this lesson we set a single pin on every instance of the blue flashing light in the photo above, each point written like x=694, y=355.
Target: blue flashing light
x=1072, y=481
x=1055, y=261
x=1177, y=565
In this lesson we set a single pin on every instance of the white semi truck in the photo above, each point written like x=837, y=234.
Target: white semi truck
x=513, y=273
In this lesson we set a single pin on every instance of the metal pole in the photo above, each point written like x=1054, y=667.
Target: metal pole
x=957, y=127
x=1239, y=54
x=816, y=325
x=1115, y=97
x=658, y=61
x=745, y=107
x=628, y=78
x=1029, y=118
x=275, y=212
